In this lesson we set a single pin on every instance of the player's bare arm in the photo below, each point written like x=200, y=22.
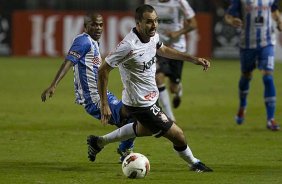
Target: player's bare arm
x=233, y=21
x=168, y=52
x=189, y=25
x=276, y=17
x=60, y=74
x=103, y=75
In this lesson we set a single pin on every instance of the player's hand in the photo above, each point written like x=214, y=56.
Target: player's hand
x=236, y=22
x=173, y=35
x=106, y=114
x=279, y=26
x=47, y=93
x=204, y=62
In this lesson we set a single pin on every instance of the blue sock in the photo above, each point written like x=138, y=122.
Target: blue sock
x=244, y=85
x=127, y=144
x=269, y=96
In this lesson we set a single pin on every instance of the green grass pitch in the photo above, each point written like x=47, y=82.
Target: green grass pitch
x=45, y=143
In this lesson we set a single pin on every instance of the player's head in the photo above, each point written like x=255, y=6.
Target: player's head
x=146, y=20
x=93, y=25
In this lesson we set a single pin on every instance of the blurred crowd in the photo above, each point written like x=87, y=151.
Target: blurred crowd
x=10, y=5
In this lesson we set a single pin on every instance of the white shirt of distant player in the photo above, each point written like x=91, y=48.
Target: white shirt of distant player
x=137, y=65
x=171, y=16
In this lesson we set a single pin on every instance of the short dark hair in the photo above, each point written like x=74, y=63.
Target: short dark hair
x=90, y=16
x=142, y=9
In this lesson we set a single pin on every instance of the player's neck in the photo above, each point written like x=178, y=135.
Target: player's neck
x=143, y=38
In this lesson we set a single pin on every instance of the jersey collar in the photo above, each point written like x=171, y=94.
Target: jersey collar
x=138, y=35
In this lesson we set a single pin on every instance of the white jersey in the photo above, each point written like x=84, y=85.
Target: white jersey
x=171, y=16
x=258, y=25
x=85, y=55
x=137, y=65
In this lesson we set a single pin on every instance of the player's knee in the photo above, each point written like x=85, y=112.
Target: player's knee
x=179, y=140
x=178, y=136
x=247, y=75
x=173, y=88
x=160, y=79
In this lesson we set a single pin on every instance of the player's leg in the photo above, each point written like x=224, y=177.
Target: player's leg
x=146, y=116
x=244, y=85
x=176, y=67
x=247, y=61
x=177, y=137
x=117, y=119
x=266, y=65
x=160, y=125
x=121, y=118
x=97, y=143
x=126, y=132
x=164, y=99
x=125, y=147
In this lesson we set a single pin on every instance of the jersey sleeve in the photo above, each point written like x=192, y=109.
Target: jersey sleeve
x=118, y=56
x=159, y=44
x=79, y=47
x=234, y=8
x=187, y=9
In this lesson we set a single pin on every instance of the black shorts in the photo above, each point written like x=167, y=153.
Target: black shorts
x=152, y=118
x=171, y=68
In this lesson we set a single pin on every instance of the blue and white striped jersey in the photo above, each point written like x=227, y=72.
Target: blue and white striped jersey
x=257, y=28
x=85, y=56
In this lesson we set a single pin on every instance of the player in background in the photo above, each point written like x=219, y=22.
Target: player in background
x=84, y=56
x=257, y=39
x=176, y=19
x=135, y=56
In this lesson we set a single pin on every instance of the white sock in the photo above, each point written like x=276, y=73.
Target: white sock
x=180, y=91
x=188, y=156
x=123, y=133
x=165, y=103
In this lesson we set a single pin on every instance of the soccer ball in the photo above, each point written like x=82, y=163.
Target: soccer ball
x=135, y=165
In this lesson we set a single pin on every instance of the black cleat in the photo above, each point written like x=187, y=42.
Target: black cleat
x=93, y=148
x=176, y=101
x=200, y=167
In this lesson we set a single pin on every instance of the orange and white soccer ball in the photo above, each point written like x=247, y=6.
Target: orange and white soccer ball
x=135, y=165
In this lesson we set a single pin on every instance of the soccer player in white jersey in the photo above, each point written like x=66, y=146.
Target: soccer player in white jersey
x=176, y=19
x=255, y=20
x=135, y=58
x=84, y=56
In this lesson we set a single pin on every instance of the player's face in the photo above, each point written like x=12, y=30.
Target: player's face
x=149, y=24
x=95, y=27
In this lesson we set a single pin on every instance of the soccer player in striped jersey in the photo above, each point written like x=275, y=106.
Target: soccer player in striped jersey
x=84, y=56
x=176, y=19
x=255, y=19
x=135, y=58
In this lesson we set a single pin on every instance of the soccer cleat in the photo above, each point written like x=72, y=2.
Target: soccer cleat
x=177, y=97
x=240, y=117
x=272, y=125
x=176, y=101
x=200, y=167
x=93, y=148
x=123, y=154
